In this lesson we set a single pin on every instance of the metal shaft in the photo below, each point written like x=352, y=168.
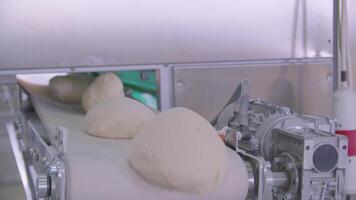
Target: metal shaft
x=336, y=16
x=278, y=179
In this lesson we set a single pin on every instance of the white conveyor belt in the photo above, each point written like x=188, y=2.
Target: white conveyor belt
x=97, y=168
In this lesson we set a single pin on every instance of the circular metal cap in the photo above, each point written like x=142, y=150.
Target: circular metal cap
x=325, y=158
x=43, y=186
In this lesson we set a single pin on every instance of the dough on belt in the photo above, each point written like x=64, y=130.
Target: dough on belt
x=181, y=150
x=104, y=87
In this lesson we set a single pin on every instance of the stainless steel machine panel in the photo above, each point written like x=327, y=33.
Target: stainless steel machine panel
x=306, y=87
x=64, y=33
x=352, y=32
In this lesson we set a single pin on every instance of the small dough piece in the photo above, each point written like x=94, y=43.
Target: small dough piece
x=180, y=150
x=117, y=118
x=69, y=89
x=105, y=86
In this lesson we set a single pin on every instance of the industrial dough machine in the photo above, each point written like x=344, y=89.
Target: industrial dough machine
x=288, y=156
x=194, y=49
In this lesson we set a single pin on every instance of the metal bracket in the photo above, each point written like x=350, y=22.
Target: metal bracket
x=41, y=166
x=240, y=99
x=59, y=137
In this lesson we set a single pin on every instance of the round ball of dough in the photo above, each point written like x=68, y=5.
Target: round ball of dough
x=117, y=118
x=104, y=87
x=69, y=89
x=180, y=150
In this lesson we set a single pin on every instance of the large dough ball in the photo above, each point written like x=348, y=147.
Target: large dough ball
x=69, y=89
x=118, y=118
x=180, y=150
x=105, y=86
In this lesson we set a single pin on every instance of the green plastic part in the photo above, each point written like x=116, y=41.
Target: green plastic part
x=139, y=85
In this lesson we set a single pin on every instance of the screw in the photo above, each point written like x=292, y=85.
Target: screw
x=278, y=160
x=53, y=169
x=34, y=156
x=287, y=196
x=290, y=166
